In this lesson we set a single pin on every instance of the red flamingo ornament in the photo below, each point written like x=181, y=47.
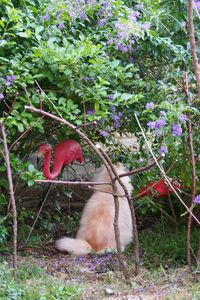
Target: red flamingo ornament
x=160, y=187
x=65, y=153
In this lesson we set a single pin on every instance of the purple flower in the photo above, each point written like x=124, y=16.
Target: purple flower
x=117, y=117
x=46, y=17
x=159, y=133
x=162, y=113
x=177, y=129
x=197, y=199
x=91, y=111
x=117, y=123
x=197, y=2
x=1, y=96
x=136, y=14
x=87, y=78
x=183, y=118
x=150, y=105
x=163, y=150
x=106, y=4
x=139, y=6
x=131, y=59
x=82, y=15
x=110, y=41
x=183, y=24
x=112, y=108
x=104, y=133
x=146, y=26
x=122, y=48
x=151, y=125
x=160, y=123
x=111, y=97
x=101, y=22
x=61, y=26
x=9, y=80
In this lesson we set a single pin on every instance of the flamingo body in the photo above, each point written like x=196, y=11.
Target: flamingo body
x=65, y=153
x=160, y=188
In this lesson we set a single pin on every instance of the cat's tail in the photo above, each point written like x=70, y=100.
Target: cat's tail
x=73, y=246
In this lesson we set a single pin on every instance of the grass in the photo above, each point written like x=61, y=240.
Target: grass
x=34, y=283
x=161, y=246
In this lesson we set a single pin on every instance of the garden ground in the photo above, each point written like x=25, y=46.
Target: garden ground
x=98, y=277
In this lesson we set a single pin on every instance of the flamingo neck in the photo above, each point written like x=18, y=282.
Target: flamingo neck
x=56, y=169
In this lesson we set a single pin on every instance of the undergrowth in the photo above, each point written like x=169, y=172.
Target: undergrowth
x=166, y=246
x=33, y=283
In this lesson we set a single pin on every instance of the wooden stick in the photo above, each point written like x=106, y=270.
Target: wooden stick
x=12, y=197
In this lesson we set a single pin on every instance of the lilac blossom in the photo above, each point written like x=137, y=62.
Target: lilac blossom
x=106, y=4
x=151, y=125
x=117, y=123
x=197, y=199
x=139, y=6
x=150, y=105
x=183, y=118
x=112, y=108
x=9, y=80
x=146, y=26
x=159, y=133
x=110, y=41
x=183, y=24
x=122, y=48
x=163, y=150
x=163, y=113
x=197, y=2
x=111, y=97
x=160, y=123
x=61, y=26
x=177, y=129
x=82, y=15
x=1, y=96
x=104, y=133
x=91, y=112
x=46, y=17
x=102, y=22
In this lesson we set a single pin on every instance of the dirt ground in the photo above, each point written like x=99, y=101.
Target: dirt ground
x=99, y=277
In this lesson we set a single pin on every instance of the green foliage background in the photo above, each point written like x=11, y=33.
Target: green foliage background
x=68, y=60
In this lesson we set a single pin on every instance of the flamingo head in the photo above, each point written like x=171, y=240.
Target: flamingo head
x=44, y=148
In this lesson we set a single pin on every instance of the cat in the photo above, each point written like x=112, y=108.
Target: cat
x=96, y=231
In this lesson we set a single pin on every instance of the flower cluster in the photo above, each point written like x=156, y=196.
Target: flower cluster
x=105, y=13
x=159, y=125
x=163, y=150
x=177, y=129
x=129, y=29
x=7, y=81
x=150, y=106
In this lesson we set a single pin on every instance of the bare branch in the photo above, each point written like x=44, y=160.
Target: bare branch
x=12, y=197
x=193, y=45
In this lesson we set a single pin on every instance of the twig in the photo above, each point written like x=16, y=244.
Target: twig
x=79, y=183
x=103, y=191
x=12, y=197
x=130, y=202
x=12, y=107
x=193, y=164
x=193, y=45
x=38, y=214
x=142, y=169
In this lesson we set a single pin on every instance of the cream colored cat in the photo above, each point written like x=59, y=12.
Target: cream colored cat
x=96, y=232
